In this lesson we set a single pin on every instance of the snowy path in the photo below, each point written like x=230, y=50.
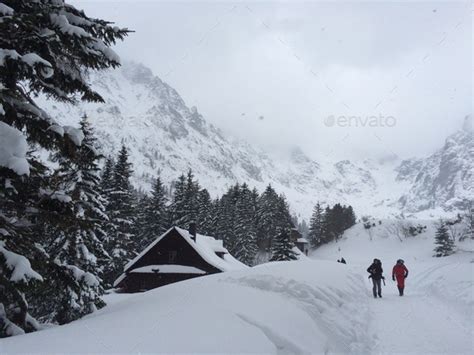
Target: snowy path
x=419, y=323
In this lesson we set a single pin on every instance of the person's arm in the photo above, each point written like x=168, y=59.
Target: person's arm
x=406, y=271
x=393, y=273
x=369, y=269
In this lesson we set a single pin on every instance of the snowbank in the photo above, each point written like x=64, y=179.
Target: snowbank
x=451, y=282
x=285, y=307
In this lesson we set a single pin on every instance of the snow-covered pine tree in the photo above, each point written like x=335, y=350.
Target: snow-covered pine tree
x=445, y=245
x=77, y=236
x=154, y=221
x=214, y=219
x=283, y=217
x=316, y=226
x=191, y=192
x=267, y=216
x=45, y=47
x=469, y=220
x=107, y=177
x=204, y=213
x=121, y=209
x=227, y=217
x=245, y=228
x=348, y=217
x=282, y=247
x=178, y=204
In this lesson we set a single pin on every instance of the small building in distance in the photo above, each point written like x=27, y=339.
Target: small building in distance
x=301, y=243
x=176, y=255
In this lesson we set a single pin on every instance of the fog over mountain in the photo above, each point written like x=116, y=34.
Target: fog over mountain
x=166, y=136
x=261, y=70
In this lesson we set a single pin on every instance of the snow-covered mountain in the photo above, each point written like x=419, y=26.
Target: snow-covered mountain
x=167, y=137
x=444, y=179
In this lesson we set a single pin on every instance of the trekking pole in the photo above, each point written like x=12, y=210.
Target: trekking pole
x=383, y=281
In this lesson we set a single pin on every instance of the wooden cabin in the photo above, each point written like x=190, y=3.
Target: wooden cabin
x=174, y=256
x=301, y=243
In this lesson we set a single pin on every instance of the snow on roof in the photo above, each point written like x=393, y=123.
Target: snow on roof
x=205, y=246
x=302, y=240
x=168, y=269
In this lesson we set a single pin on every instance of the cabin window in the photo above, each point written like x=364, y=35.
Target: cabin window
x=172, y=256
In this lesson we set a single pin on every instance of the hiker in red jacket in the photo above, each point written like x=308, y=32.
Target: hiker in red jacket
x=400, y=272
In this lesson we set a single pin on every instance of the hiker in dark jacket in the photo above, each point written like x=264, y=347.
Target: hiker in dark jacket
x=375, y=270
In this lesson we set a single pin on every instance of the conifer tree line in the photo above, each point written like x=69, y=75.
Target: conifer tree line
x=243, y=219
x=329, y=224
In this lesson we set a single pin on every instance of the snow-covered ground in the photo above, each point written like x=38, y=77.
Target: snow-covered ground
x=306, y=306
x=436, y=313
x=289, y=307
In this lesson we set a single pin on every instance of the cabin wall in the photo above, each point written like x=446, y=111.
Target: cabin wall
x=139, y=282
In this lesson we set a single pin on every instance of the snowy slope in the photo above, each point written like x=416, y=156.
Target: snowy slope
x=277, y=308
x=165, y=135
x=310, y=306
x=436, y=313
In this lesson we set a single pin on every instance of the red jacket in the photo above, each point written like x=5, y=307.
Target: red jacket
x=400, y=271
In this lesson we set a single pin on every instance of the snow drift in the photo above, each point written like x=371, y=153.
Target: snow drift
x=293, y=307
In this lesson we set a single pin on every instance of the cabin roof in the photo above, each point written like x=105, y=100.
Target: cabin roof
x=205, y=246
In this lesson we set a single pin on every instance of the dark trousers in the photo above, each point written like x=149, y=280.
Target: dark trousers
x=400, y=290
x=377, y=289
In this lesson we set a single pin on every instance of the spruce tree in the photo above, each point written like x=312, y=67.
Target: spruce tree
x=267, y=216
x=107, y=176
x=47, y=47
x=245, y=229
x=191, y=192
x=283, y=217
x=155, y=219
x=178, y=206
x=227, y=217
x=77, y=236
x=282, y=247
x=204, y=213
x=316, y=226
x=445, y=245
x=121, y=241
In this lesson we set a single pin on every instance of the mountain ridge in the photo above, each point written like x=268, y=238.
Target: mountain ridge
x=166, y=136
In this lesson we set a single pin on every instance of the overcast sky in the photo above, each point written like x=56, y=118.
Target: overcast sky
x=319, y=75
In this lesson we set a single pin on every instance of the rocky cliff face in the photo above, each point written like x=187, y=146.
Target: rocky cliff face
x=442, y=180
